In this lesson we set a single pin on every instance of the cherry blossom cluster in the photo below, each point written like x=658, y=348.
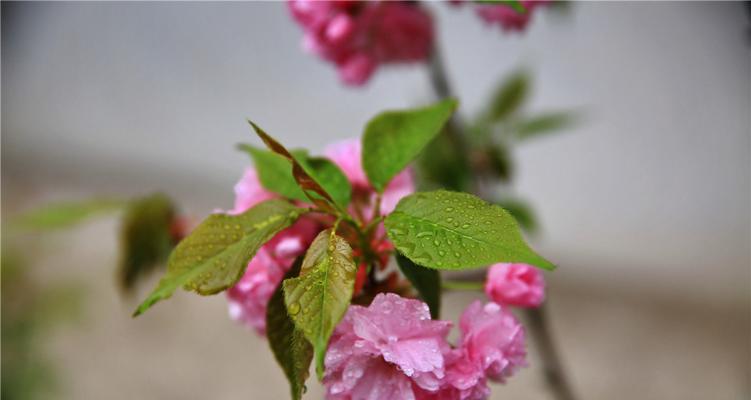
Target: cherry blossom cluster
x=392, y=348
x=509, y=19
x=358, y=36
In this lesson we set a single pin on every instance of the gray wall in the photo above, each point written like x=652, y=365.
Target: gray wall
x=651, y=192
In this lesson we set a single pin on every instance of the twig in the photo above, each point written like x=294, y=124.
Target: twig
x=554, y=374
x=442, y=88
x=462, y=285
x=551, y=362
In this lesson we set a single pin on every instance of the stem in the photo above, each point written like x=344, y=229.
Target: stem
x=439, y=79
x=377, y=210
x=456, y=131
x=551, y=362
x=438, y=76
x=462, y=285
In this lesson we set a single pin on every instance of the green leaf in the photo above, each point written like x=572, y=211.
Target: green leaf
x=509, y=96
x=515, y=4
x=394, y=138
x=312, y=189
x=214, y=256
x=451, y=230
x=319, y=297
x=501, y=162
x=292, y=351
x=146, y=237
x=441, y=165
x=522, y=212
x=426, y=281
x=544, y=124
x=66, y=214
x=331, y=178
x=275, y=174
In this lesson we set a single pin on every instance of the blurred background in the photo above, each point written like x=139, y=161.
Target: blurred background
x=645, y=204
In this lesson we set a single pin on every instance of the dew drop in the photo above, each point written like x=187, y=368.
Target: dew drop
x=293, y=308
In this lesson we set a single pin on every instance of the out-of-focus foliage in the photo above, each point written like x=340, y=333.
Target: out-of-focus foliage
x=491, y=138
x=29, y=313
x=147, y=235
x=149, y=229
x=515, y=4
x=441, y=166
x=66, y=214
x=426, y=281
x=543, y=124
x=508, y=97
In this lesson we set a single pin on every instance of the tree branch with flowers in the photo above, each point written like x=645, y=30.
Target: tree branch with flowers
x=320, y=236
x=336, y=259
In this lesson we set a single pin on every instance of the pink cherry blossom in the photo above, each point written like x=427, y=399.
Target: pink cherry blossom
x=249, y=192
x=389, y=350
x=392, y=349
x=465, y=380
x=508, y=18
x=357, y=36
x=515, y=284
x=491, y=347
x=347, y=154
x=492, y=339
x=250, y=296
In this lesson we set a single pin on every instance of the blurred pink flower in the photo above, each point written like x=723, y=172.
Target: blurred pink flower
x=509, y=19
x=389, y=350
x=515, y=284
x=347, y=154
x=249, y=192
x=357, y=36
